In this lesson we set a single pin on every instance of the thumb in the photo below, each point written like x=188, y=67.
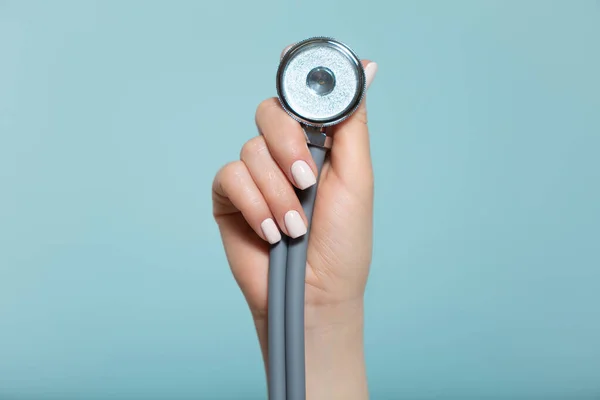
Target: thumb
x=351, y=154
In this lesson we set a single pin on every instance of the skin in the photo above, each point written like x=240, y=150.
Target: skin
x=260, y=185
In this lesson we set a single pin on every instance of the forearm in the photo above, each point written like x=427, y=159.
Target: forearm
x=335, y=364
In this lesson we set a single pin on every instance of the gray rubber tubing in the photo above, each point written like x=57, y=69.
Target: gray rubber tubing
x=294, y=293
x=276, y=320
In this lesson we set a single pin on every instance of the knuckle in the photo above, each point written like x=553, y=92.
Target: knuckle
x=282, y=194
x=284, y=199
x=265, y=107
x=254, y=146
x=222, y=180
x=231, y=171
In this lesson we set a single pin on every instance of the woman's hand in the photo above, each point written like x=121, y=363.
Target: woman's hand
x=254, y=198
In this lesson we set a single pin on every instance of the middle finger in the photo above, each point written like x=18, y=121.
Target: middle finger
x=287, y=143
x=275, y=187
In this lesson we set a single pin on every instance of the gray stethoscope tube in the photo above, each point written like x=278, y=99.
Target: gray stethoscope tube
x=276, y=320
x=313, y=82
x=294, y=293
x=287, y=271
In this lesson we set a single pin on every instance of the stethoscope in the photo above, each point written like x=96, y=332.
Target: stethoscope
x=320, y=83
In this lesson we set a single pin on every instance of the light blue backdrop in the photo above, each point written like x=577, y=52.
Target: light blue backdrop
x=114, y=116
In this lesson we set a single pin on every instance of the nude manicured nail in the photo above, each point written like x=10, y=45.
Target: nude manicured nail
x=270, y=231
x=303, y=175
x=294, y=224
x=370, y=71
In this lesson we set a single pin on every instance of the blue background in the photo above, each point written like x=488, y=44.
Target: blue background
x=115, y=115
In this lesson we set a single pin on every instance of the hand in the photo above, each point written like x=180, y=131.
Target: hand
x=254, y=198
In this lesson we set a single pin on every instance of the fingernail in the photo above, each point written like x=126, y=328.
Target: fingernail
x=270, y=231
x=370, y=71
x=294, y=224
x=303, y=175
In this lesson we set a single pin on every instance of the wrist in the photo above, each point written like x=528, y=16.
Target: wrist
x=330, y=317
x=334, y=347
x=335, y=364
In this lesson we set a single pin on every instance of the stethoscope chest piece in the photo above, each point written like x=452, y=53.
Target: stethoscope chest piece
x=320, y=82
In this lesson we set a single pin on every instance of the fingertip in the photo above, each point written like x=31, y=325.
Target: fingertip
x=295, y=224
x=370, y=68
x=303, y=175
x=370, y=71
x=285, y=51
x=270, y=231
